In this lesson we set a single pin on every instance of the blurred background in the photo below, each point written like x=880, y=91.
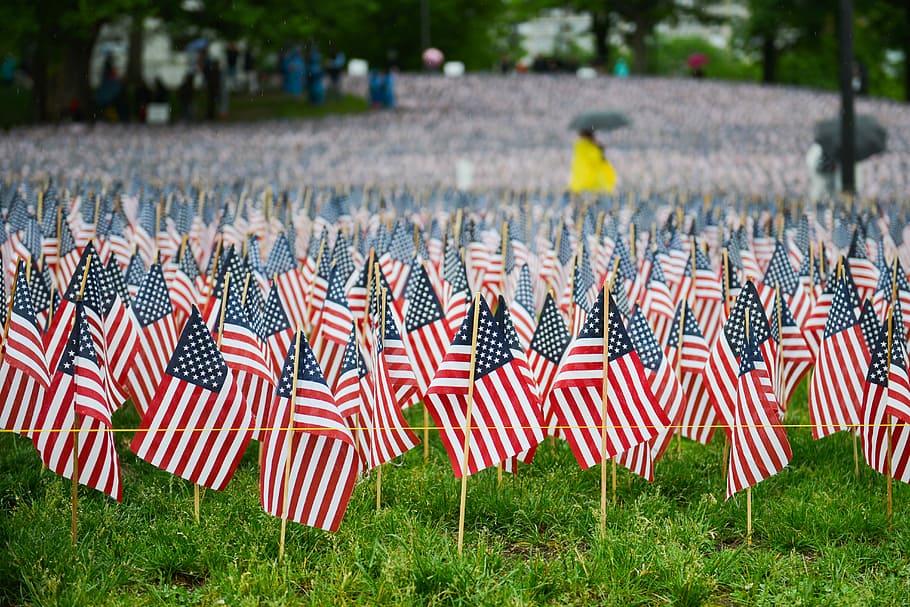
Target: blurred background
x=197, y=60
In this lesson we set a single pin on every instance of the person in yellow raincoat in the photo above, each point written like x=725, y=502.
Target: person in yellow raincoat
x=591, y=171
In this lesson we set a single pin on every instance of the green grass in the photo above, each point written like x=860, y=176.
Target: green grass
x=276, y=105
x=820, y=536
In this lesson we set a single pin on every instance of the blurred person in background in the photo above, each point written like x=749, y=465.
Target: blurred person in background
x=315, y=87
x=591, y=171
x=232, y=57
x=334, y=71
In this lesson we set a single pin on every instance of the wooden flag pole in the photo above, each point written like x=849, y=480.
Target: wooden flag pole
x=679, y=349
x=369, y=287
x=749, y=488
x=778, y=354
x=890, y=448
x=76, y=423
x=467, y=433
x=726, y=271
x=840, y=275
x=608, y=289
x=382, y=293
x=287, y=448
x=502, y=289
x=197, y=494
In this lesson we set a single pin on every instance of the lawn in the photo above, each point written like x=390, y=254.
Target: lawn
x=820, y=536
x=276, y=105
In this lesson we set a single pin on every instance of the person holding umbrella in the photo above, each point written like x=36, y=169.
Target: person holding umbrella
x=591, y=171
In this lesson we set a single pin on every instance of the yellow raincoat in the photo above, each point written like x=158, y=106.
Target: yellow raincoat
x=591, y=172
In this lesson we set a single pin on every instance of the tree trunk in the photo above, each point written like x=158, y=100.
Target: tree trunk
x=134, y=73
x=600, y=27
x=768, y=59
x=639, y=46
x=76, y=74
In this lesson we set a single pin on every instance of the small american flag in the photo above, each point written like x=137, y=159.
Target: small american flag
x=157, y=338
x=692, y=355
x=78, y=388
x=548, y=345
x=633, y=413
x=836, y=389
x=426, y=331
x=24, y=374
x=758, y=445
x=505, y=418
x=197, y=425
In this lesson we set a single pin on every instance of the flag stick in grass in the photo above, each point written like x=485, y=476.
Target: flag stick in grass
x=76, y=424
x=467, y=424
x=197, y=494
x=749, y=488
x=502, y=289
x=608, y=288
x=382, y=293
x=287, y=449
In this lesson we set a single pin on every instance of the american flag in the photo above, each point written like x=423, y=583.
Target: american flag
x=836, y=389
x=41, y=286
x=24, y=375
x=722, y=369
x=781, y=274
x=245, y=354
x=522, y=307
x=181, y=274
x=633, y=414
x=330, y=332
x=277, y=330
x=706, y=295
x=319, y=284
x=426, y=330
x=657, y=305
x=282, y=266
x=691, y=356
x=197, y=425
x=396, y=261
x=869, y=324
x=348, y=389
x=795, y=355
x=549, y=343
x=342, y=260
x=77, y=388
x=389, y=435
x=884, y=290
x=458, y=291
x=398, y=358
x=504, y=320
x=758, y=444
x=863, y=271
x=814, y=327
x=135, y=274
x=641, y=458
x=886, y=400
x=157, y=338
x=505, y=414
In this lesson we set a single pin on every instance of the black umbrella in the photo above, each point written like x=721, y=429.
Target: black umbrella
x=870, y=137
x=599, y=121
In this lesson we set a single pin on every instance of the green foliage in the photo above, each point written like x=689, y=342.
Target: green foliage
x=669, y=57
x=820, y=536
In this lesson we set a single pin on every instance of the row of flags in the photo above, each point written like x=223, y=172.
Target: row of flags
x=609, y=342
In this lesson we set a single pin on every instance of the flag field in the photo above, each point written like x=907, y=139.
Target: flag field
x=820, y=536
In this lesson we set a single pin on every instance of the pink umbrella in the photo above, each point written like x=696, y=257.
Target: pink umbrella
x=697, y=60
